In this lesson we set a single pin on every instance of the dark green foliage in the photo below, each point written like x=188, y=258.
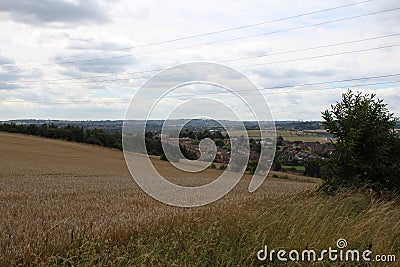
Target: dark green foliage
x=252, y=166
x=277, y=163
x=163, y=157
x=313, y=168
x=279, y=141
x=219, y=143
x=199, y=135
x=69, y=133
x=254, y=145
x=367, y=149
x=188, y=154
x=153, y=145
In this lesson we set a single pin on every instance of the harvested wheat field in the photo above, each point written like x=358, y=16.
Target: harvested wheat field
x=73, y=204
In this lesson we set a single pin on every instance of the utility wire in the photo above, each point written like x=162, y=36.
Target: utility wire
x=239, y=38
x=228, y=40
x=225, y=92
x=227, y=30
x=231, y=60
x=201, y=63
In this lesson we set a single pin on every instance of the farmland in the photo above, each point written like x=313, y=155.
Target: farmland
x=289, y=135
x=64, y=203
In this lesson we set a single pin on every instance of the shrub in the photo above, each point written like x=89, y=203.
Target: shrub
x=367, y=149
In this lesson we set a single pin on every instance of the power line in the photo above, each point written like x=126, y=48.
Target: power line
x=228, y=30
x=243, y=37
x=223, y=61
x=331, y=88
x=244, y=58
x=81, y=78
x=318, y=47
x=228, y=40
x=305, y=84
x=327, y=55
x=244, y=90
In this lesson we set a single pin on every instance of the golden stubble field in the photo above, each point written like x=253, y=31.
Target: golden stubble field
x=56, y=195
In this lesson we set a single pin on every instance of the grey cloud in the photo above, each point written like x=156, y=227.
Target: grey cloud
x=7, y=76
x=92, y=44
x=11, y=73
x=108, y=65
x=5, y=60
x=8, y=73
x=52, y=11
x=71, y=73
x=9, y=87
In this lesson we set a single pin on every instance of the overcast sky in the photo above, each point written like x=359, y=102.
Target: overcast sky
x=85, y=59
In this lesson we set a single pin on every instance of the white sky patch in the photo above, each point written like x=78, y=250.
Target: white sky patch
x=61, y=59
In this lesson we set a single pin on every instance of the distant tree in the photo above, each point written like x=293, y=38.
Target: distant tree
x=279, y=140
x=313, y=168
x=69, y=133
x=217, y=135
x=32, y=130
x=252, y=166
x=219, y=143
x=187, y=153
x=149, y=135
x=192, y=135
x=277, y=163
x=163, y=157
x=367, y=149
x=254, y=145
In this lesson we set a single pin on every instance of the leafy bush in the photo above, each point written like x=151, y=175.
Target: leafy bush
x=313, y=168
x=367, y=149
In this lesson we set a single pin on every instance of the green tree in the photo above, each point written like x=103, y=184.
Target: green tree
x=313, y=168
x=279, y=140
x=277, y=163
x=219, y=143
x=252, y=166
x=367, y=149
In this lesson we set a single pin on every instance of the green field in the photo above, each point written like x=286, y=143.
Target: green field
x=288, y=135
x=303, y=136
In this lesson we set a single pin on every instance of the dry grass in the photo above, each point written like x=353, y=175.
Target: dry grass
x=72, y=204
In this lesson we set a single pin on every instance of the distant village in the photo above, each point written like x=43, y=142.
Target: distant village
x=292, y=156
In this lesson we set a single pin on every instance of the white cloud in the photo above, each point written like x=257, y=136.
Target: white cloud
x=38, y=35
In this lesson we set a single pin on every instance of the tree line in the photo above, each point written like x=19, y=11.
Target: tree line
x=68, y=133
x=95, y=136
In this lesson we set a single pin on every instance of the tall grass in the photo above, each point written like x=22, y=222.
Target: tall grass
x=232, y=237
x=77, y=205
